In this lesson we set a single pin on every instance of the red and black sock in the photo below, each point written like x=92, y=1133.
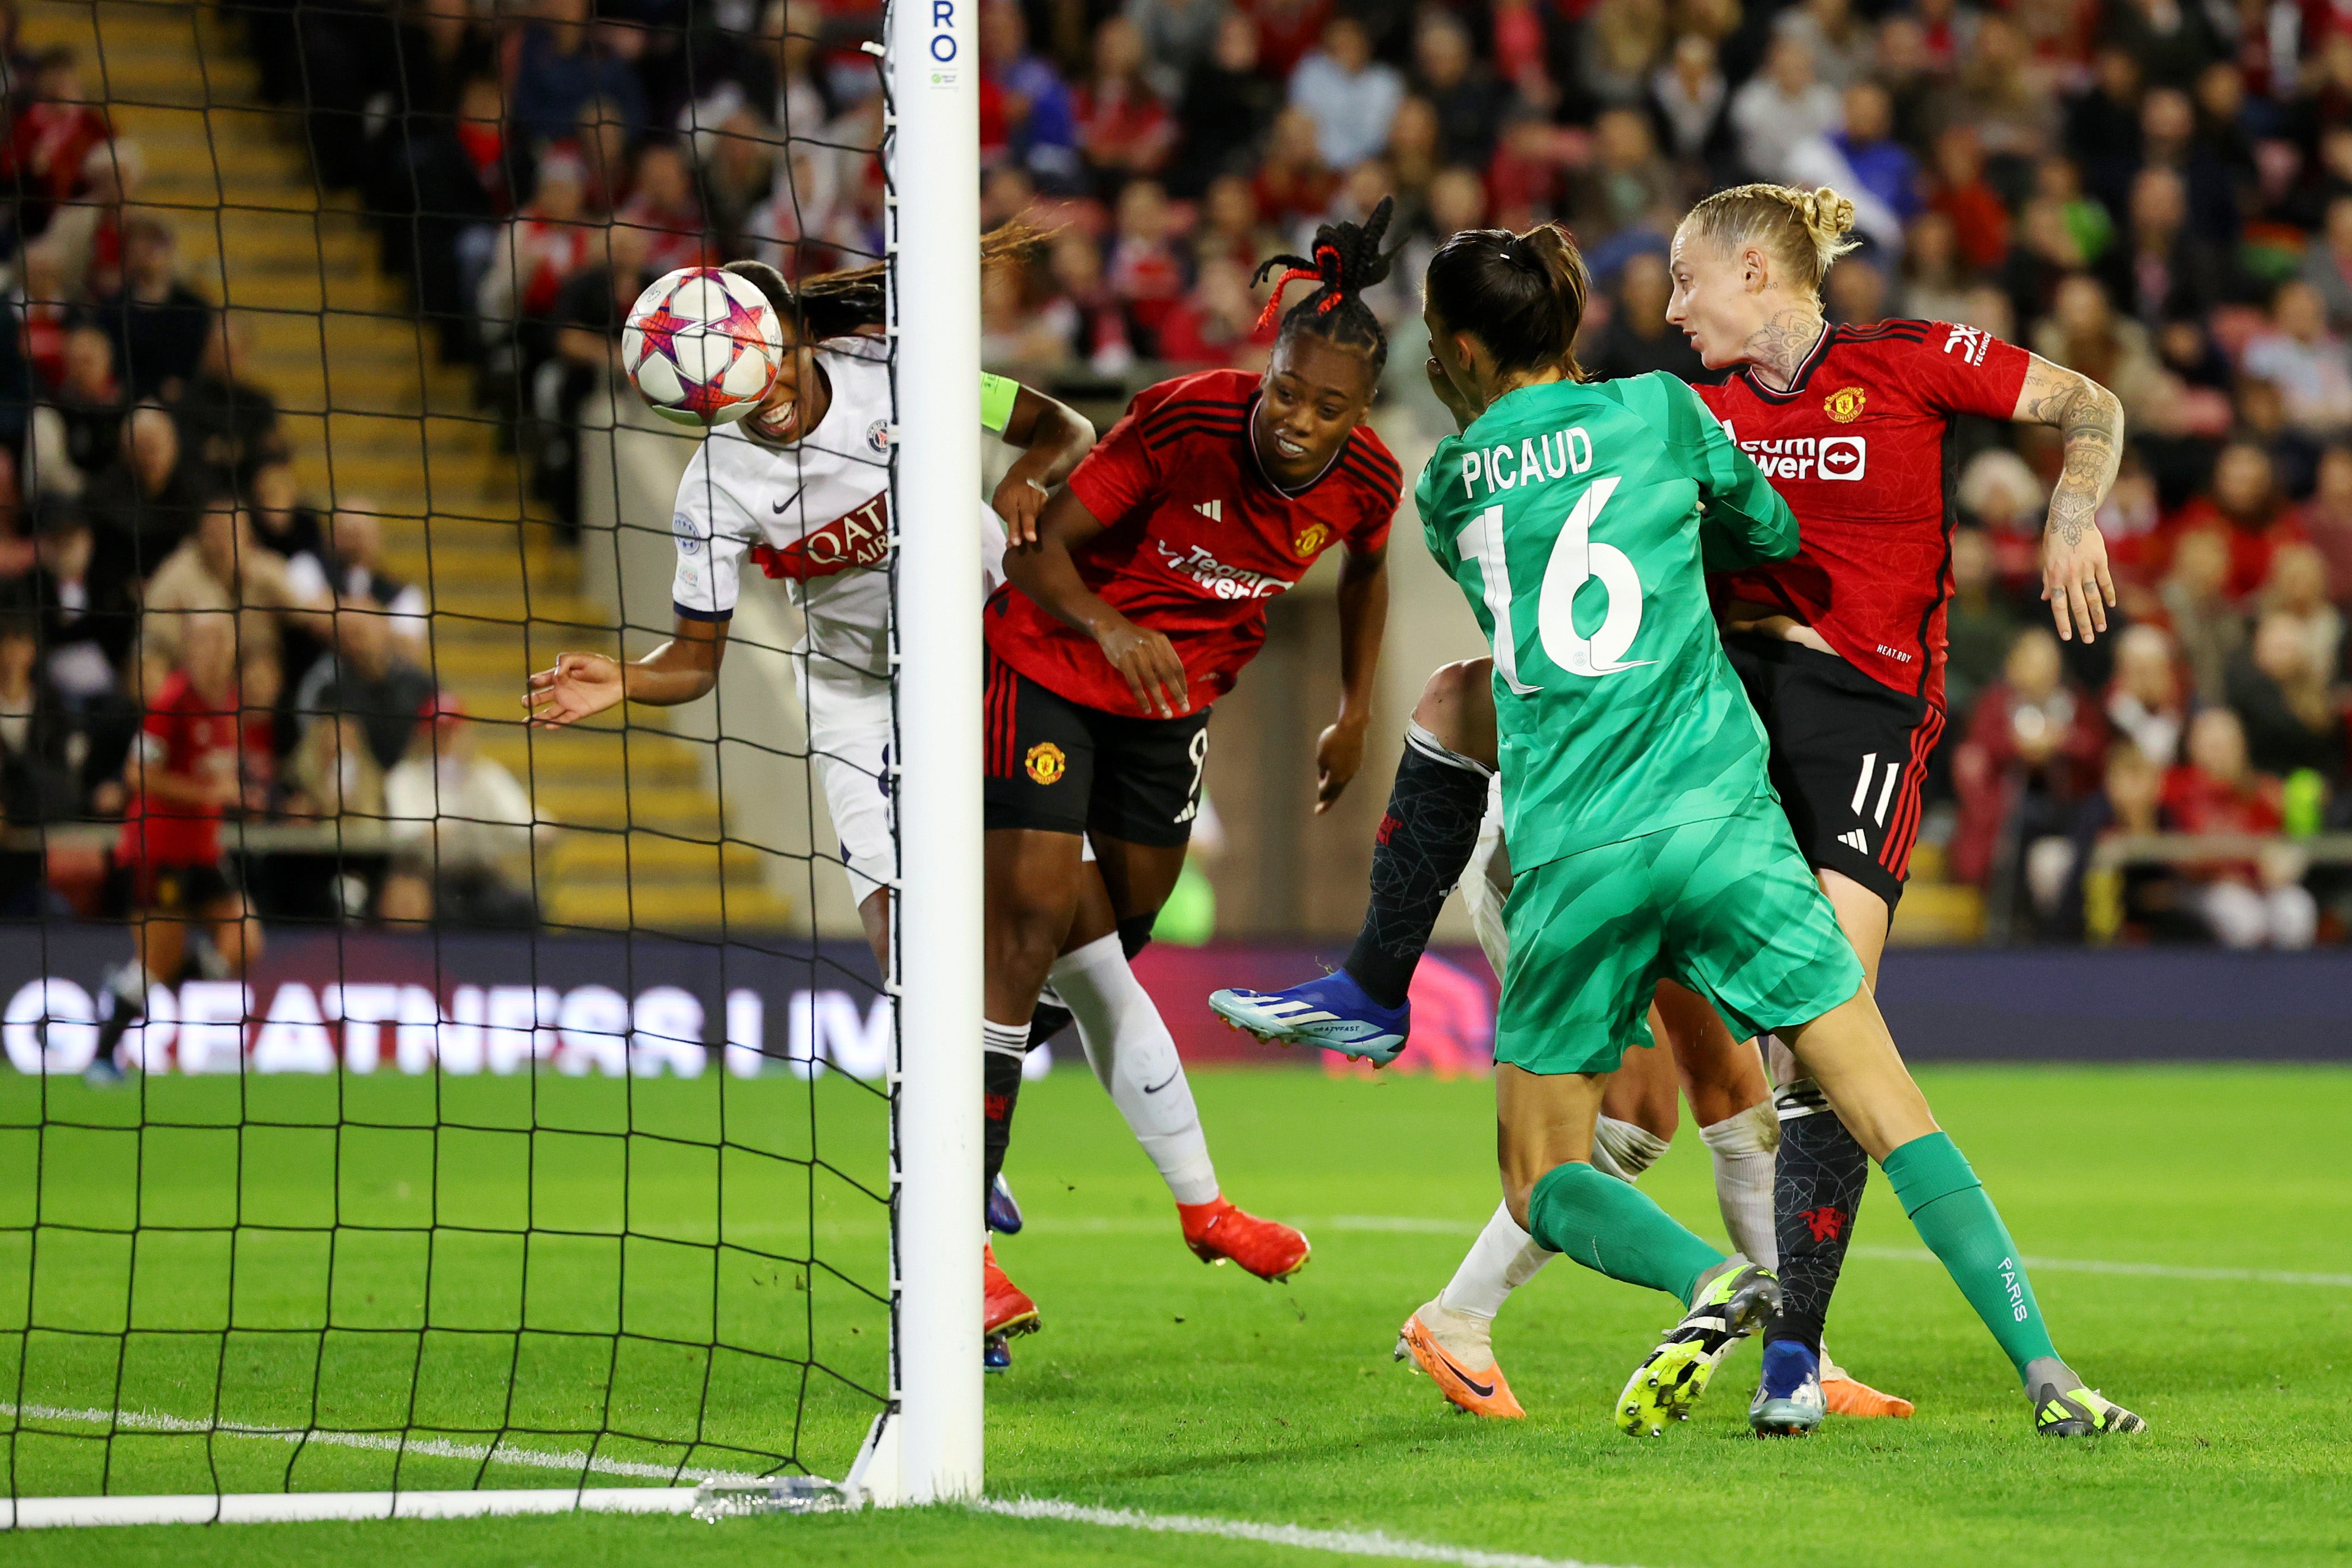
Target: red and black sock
x=1423, y=844
x=1817, y=1185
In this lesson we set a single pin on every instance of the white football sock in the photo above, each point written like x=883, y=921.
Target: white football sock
x=1134, y=1056
x=1622, y=1150
x=1742, y=1146
x=1502, y=1259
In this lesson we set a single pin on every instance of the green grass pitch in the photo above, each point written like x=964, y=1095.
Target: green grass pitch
x=1164, y=1387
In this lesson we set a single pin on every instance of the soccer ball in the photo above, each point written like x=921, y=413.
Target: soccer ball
x=702, y=346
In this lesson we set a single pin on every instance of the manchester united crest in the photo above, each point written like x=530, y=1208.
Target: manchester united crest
x=1045, y=763
x=1845, y=405
x=1310, y=539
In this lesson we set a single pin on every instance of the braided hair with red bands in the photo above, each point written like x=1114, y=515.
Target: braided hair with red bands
x=1347, y=261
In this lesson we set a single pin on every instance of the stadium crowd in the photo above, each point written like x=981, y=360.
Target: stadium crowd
x=2156, y=193
x=158, y=561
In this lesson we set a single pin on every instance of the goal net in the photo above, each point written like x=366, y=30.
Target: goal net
x=408, y=1111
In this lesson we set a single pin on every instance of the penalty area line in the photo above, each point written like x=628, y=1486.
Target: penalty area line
x=1345, y=1543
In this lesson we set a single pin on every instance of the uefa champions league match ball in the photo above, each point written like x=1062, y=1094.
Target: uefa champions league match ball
x=702, y=346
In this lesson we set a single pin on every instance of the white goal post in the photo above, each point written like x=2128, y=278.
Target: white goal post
x=931, y=152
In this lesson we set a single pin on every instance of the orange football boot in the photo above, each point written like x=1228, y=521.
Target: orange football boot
x=1481, y=1392
x=1004, y=1307
x=1845, y=1396
x=1216, y=1230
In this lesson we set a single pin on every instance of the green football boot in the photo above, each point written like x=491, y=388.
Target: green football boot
x=2079, y=1412
x=1727, y=1308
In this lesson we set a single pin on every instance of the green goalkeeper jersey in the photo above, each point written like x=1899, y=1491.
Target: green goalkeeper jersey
x=1580, y=520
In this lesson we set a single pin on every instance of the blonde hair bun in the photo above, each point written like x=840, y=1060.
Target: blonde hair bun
x=1806, y=231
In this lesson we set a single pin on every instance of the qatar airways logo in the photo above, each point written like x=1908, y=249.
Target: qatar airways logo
x=1222, y=581
x=857, y=539
x=1809, y=457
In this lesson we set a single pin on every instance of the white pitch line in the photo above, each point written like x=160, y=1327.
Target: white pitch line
x=1349, y=1542
x=2139, y=1270
x=499, y=1453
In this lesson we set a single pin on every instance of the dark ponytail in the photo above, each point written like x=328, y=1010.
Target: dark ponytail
x=1347, y=260
x=837, y=304
x=1522, y=295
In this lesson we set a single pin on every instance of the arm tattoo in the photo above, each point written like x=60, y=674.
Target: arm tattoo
x=2092, y=420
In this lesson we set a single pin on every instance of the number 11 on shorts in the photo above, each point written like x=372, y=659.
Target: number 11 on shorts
x=1885, y=790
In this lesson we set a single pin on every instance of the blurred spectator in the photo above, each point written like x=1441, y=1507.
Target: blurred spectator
x=159, y=325
x=36, y=773
x=2171, y=41
x=223, y=569
x=1352, y=97
x=560, y=62
x=88, y=612
x=1082, y=312
x=1039, y=128
x=545, y=246
x=2245, y=509
x=2083, y=333
x=1626, y=181
x=2297, y=590
x=2130, y=802
x=1781, y=107
x=2103, y=124
x=1293, y=182
x=2196, y=599
x=2032, y=752
x=662, y=205
x=1287, y=30
x=1216, y=323
x=2327, y=520
x=1226, y=107
x=1143, y=271
x=333, y=773
x=54, y=127
x=1933, y=285
x=283, y=525
x=228, y=426
x=1881, y=166
x=1856, y=291
x=369, y=679
x=1638, y=339
x=43, y=312
x=2145, y=700
x=1690, y=95
x=349, y=569
x=2162, y=270
x=1622, y=42
x=2279, y=691
x=462, y=828
x=2170, y=138
x=1959, y=191
x=2328, y=265
x=144, y=503
x=2251, y=903
x=1412, y=158
x=77, y=430
x=1177, y=38
x=1978, y=625
x=1124, y=128
x=2309, y=364
x=1838, y=44
x=1466, y=98
x=2004, y=94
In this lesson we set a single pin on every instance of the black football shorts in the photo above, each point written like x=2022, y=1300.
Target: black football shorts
x=1058, y=766
x=1849, y=757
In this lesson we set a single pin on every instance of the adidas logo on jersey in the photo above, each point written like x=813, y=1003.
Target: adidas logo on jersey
x=1215, y=510
x=1856, y=840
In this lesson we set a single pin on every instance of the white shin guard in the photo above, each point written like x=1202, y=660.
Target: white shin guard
x=1134, y=1056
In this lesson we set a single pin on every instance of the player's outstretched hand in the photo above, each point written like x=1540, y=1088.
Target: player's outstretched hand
x=2074, y=579
x=1149, y=662
x=1338, y=752
x=580, y=686
x=1018, y=500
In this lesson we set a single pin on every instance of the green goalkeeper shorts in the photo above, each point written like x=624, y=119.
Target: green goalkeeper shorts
x=1726, y=906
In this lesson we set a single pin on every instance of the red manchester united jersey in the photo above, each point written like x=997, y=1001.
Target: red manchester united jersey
x=1856, y=449
x=192, y=740
x=1195, y=539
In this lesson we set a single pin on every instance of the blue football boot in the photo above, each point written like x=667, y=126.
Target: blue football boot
x=1004, y=1209
x=1330, y=1011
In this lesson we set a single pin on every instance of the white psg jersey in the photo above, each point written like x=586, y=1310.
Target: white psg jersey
x=815, y=513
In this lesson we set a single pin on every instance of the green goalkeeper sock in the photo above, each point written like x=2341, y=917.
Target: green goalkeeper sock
x=1614, y=1228
x=1932, y=1181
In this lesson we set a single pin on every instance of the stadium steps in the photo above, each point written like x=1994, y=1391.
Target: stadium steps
x=369, y=412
